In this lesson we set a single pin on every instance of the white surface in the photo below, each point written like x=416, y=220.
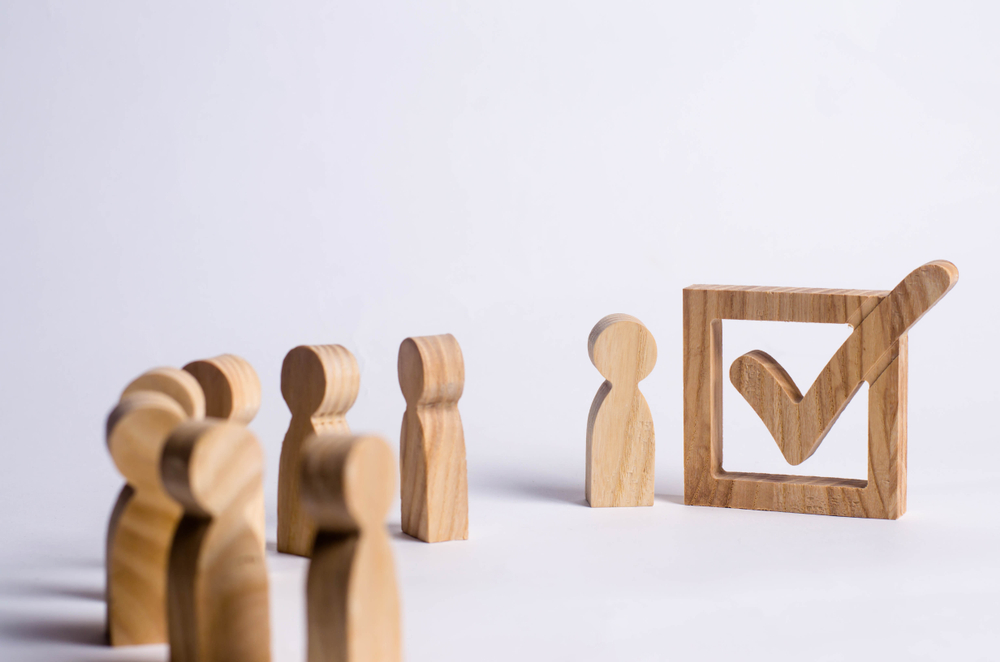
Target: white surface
x=180, y=180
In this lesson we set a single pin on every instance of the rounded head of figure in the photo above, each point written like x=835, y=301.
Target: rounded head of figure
x=137, y=430
x=178, y=384
x=431, y=369
x=320, y=380
x=231, y=387
x=348, y=481
x=622, y=349
x=209, y=465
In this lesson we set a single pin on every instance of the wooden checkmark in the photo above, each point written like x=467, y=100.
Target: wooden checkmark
x=799, y=423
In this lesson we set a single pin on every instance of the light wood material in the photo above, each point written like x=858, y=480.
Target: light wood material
x=876, y=352
x=435, y=493
x=319, y=383
x=353, y=604
x=178, y=384
x=232, y=392
x=231, y=386
x=620, y=439
x=143, y=520
x=799, y=423
x=217, y=591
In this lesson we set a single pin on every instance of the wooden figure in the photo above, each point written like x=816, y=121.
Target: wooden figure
x=178, y=384
x=232, y=392
x=435, y=492
x=144, y=517
x=217, y=590
x=231, y=386
x=875, y=352
x=353, y=606
x=620, y=441
x=319, y=383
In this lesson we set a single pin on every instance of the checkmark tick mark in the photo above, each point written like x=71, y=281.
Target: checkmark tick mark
x=799, y=422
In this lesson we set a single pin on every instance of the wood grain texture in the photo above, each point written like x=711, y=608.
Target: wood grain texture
x=620, y=439
x=348, y=483
x=178, y=384
x=232, y=393
x=143, y=520
x=434, y=484
x=883, y=494
x=217, y=588
x=800, y=423
x=231, y=386
x=320, y=384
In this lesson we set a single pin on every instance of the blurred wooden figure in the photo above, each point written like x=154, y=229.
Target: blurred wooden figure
x=232, y=392
x=620, y=441
x=435, y=493
x=178, y=384
x=348, y=483
x=144, y=518
x=319, y=383
x=217, y=590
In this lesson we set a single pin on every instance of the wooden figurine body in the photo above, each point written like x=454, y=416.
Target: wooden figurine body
x=319, y=383
x=144, y=518
x=353, y=605
x=232, y=393
x=620, y=440
x=217, y=595
x=434, y=485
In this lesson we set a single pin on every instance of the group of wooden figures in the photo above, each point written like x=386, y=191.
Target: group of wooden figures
x=186, y=540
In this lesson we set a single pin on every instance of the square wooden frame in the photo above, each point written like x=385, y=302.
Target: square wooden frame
x=706, y=483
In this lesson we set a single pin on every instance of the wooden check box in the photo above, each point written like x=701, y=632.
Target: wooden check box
x=875, y=352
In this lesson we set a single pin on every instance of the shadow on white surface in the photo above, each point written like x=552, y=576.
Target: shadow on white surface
x=54, y=609
x=80, y=630
x=524, y=488
x=54, y=590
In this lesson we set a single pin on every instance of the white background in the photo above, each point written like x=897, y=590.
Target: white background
x=179, y=180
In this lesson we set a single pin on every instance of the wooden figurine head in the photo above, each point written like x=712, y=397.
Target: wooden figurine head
x=347, y=481
x=320, y=380
x=622, y=349
x=431, y=370
x=209, y=465
x=231, y=386
x=178, y=384
x=137, y=430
